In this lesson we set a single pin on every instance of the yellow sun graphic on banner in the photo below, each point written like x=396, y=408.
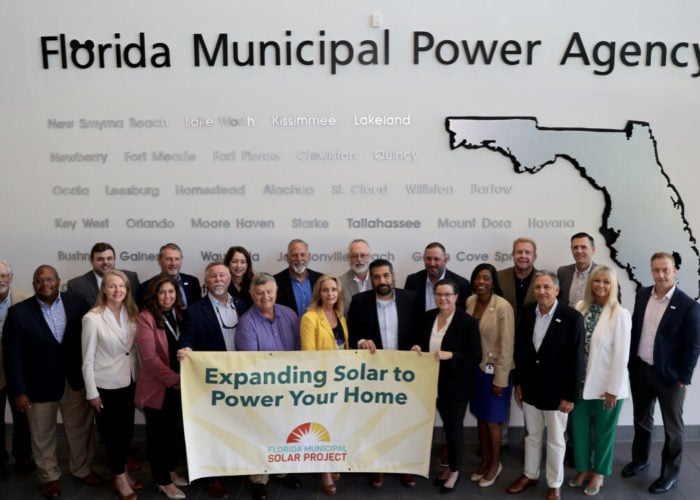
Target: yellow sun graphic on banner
x=309, y=433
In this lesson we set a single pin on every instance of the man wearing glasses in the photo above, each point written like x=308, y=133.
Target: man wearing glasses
x=356, y=279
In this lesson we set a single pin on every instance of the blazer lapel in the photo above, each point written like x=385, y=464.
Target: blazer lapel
x=41, y=321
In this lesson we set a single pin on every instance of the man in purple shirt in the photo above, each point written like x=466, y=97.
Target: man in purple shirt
x=267, y=327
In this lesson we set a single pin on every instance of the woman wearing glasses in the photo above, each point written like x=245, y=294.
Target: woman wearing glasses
x=452, y=337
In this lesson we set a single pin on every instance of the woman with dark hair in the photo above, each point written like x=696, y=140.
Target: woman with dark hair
x=452, y=336
x=110, y=368
x=158, y=386
x=322, y=328
x=490, y=406
x=240, y=264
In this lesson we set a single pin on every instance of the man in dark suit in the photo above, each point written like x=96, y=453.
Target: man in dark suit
x=42, y=351
x=170, y=262
x=663, y=354
x=549, y=370
x=422, y=283
x=517, y=282
x=103, y=258
x=296, y=283
x=210, y=325
x=384, y=318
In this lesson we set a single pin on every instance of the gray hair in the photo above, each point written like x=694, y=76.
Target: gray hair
x=262, y=279
x=551, y=274
x=7, y=264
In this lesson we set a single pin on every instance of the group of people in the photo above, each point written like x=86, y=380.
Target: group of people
x=561, y=343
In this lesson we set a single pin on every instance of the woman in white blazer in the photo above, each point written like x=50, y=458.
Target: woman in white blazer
x=608, y=331
x=110, y=368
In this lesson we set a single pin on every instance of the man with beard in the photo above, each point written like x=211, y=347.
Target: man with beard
x=516, y=281
x=435, y=259
x=296, y=283
x=356, y=279
x=384, y=318
x=210, y=325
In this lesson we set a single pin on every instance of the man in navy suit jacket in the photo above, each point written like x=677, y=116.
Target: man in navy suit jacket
x=423, y=282
x=663, y=353
x=42, y=349
x=170, y=262
x=548, y=373
x=401, y=314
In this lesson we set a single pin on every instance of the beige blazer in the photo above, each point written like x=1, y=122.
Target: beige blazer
x=15, y=297
x=606, y=370
x=497, y=329
x=110, y=359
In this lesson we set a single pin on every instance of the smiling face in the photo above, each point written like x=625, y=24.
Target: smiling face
x=524, y=256
x=582, y=251
x=238, y=266
x=483, y=283
x=446, y=298
x=166, y=296
x=217, y=280
x=264, y=296
x=170, y=261
x=329, y=293
x=358, y=257
x=102, y=262
x=435, y=262
x=114, y=290
x=663, y=270
x=5, y=281
x=46, y=284
x=600, y=287
x=545, y=292
x=298, y=258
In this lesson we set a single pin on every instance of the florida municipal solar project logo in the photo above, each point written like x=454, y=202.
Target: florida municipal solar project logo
x=308, y=442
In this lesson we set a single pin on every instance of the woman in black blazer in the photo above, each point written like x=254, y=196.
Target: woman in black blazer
x=452, y=336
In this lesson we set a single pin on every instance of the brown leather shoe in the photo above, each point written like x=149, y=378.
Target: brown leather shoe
x=520, y=484
x=408, y=481
x=376, y=480
x=51, y=489
x=90, y=479
x=553, y=493
x=217, y=489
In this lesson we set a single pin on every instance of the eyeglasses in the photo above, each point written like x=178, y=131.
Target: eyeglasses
x=4, y=276
x=222, y=319
x=444, y=295
x=358, y=256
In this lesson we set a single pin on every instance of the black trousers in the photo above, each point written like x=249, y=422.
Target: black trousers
x=116, y=421
x=164, y=436
x=452, y=415
x=646, y=390
x=21, y=440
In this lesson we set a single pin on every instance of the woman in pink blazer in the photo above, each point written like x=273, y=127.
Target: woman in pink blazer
x=158, y=386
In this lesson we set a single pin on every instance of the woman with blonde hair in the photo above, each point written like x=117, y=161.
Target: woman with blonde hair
x=323, y=327
x=110, y=369
x=608, y=328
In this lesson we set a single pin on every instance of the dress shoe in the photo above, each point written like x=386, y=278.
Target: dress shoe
x=553, y=493
x=177, y=480
x=376, y=480
x=476, y=476
x=173, y=493
x=136, y=486
x=51, y=489
x=485, y=483
x=633, y=468
x=439, y=481
x=446, y=489
x=520, y=484
x=292, y=481
x=662, y=485
x=259, y=491
x=329, y=489
x=408, y=480
x=25, y=466
x=217, y=489
x=90, y=479
x=126, y=496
